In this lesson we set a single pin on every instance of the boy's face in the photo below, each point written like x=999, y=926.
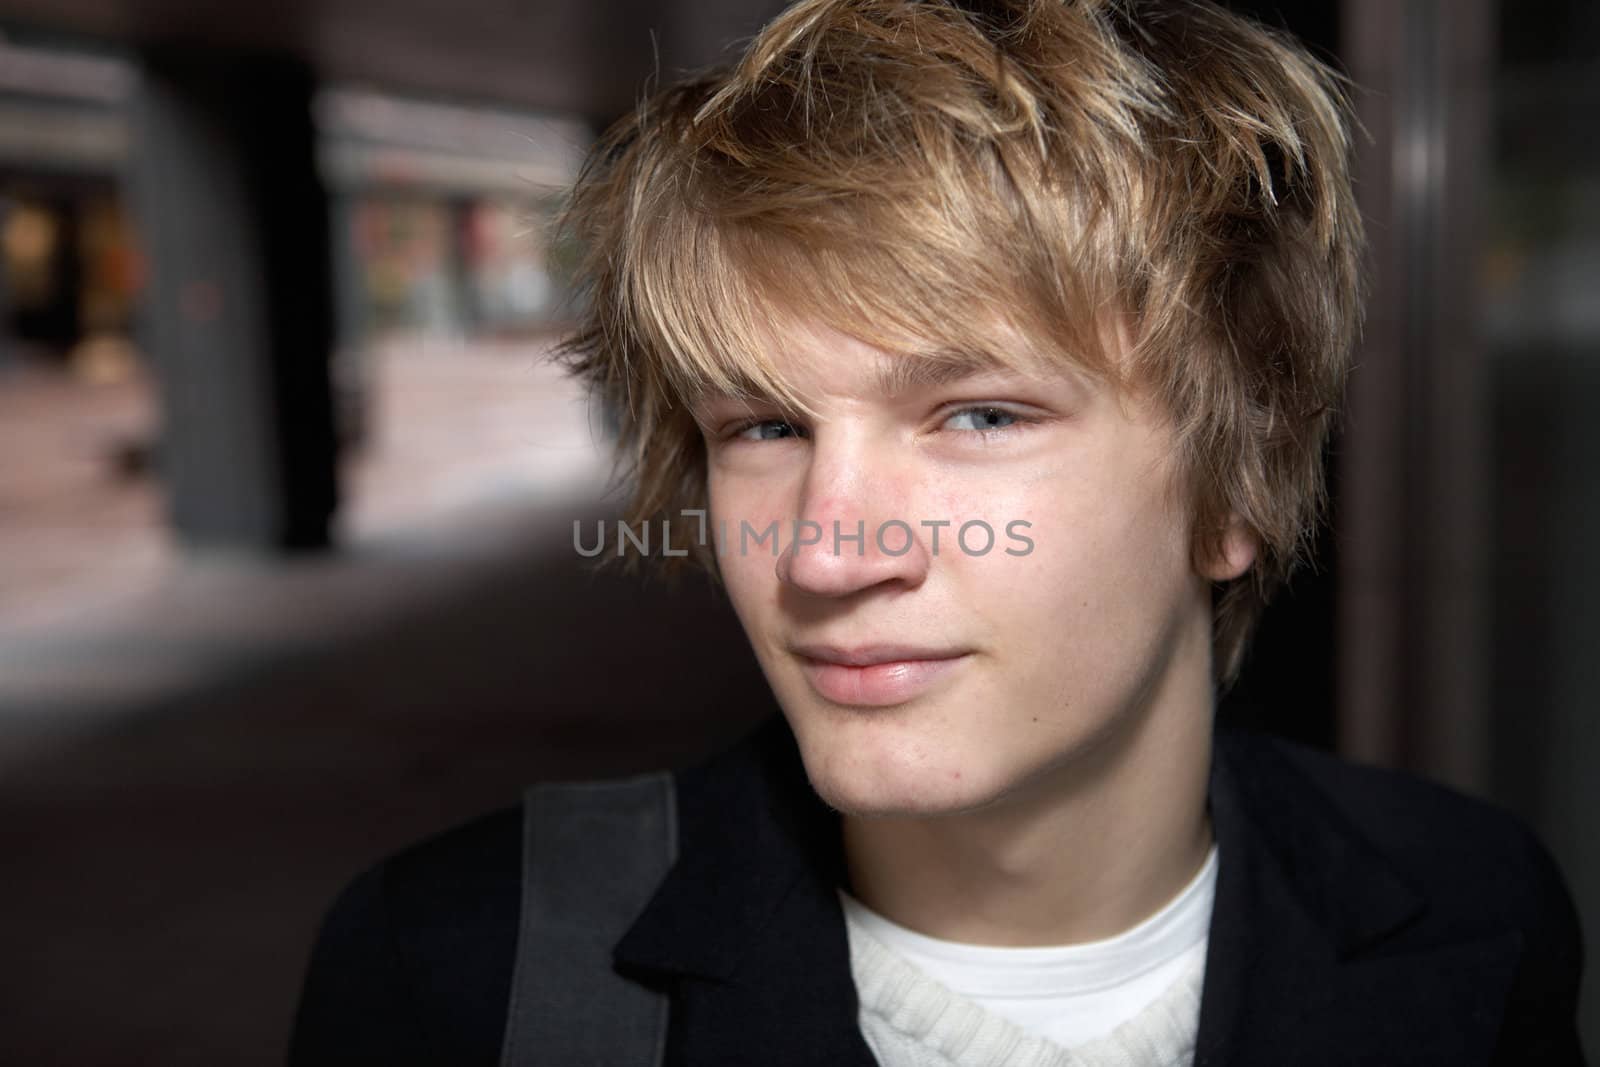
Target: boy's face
x=923, y=680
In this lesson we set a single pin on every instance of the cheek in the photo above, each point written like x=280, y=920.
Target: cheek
x=1107, y=568
x=757, y=498
x=739, y=511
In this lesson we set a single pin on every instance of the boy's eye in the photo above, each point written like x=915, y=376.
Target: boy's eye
x=768, y=430
x=980, y=419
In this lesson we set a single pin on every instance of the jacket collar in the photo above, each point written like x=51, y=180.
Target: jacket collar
x=750, y=830
x=748, y=923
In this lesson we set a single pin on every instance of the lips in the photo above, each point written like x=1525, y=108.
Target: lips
x=875, y=676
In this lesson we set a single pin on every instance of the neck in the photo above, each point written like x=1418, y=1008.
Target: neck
x=1080, y=852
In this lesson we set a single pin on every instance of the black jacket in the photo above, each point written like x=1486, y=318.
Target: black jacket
x=1361, y=917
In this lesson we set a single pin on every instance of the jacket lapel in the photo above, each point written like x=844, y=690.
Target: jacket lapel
x=1317, y=953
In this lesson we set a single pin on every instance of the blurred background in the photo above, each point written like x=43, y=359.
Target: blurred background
x=287, y=490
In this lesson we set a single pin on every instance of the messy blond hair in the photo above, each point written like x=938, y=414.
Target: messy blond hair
x=916, y=172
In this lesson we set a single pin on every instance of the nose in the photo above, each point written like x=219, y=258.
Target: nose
x=852, y=533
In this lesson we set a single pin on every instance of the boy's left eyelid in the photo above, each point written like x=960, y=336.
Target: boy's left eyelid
x=720, y=419
x=1010, y=407
x=734, y=428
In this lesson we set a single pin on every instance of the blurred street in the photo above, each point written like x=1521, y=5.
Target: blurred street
x=76, y=528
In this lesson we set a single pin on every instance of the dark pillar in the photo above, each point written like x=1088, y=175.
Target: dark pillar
x=349, y=283
x=239, y=314
x=463, y=258
x=1415, y=666
x=352, y=369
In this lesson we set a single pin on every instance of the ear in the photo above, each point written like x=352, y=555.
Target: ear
x=1235, y=554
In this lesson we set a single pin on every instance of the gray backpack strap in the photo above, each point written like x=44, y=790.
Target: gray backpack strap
x=593, y=854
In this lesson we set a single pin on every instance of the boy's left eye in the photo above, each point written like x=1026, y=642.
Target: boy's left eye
x=981, y=419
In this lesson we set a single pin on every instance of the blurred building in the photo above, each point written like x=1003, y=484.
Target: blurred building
x=70, y=271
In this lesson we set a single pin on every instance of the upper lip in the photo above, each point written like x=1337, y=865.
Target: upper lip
x=867, y=655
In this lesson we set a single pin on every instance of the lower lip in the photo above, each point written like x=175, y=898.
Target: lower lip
x=876, y=685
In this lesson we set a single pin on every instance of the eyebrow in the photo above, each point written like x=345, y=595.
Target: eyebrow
x=893, y=376
x=931, y=370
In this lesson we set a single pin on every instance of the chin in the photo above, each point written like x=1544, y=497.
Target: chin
x=877, y=802
x=869, y=768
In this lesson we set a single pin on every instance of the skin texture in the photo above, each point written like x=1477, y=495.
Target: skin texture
x=1048, y=786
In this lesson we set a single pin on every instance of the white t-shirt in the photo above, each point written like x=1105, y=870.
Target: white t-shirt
x=1071, y=995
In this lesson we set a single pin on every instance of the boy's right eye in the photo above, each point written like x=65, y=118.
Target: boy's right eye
x=766, y=430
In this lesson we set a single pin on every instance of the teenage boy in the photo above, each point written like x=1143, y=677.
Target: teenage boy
x=1021, y=324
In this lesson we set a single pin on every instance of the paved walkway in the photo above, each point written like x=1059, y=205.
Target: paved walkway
x=73, y=531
